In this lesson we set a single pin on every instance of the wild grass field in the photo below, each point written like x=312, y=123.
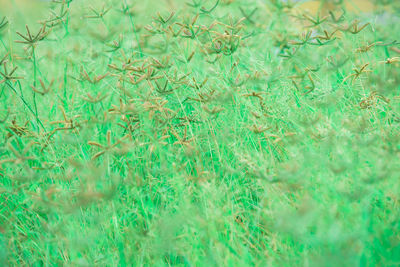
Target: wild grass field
x=199, y=133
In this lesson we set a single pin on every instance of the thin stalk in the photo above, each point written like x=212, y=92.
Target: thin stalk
x=26, y=104
x=5, y=47
x=66, y=23
x=134, y=32
x=34, y=81
x=65, y=86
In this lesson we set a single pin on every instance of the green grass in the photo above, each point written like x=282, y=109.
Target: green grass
x=195, y=138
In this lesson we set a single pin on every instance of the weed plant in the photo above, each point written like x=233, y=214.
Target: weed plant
x=200, y=133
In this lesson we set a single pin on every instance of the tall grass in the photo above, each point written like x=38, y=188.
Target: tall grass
x=200, y=133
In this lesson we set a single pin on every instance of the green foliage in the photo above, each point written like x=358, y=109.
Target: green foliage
x=206, y=133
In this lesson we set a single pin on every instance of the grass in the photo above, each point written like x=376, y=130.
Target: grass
x=200, y=133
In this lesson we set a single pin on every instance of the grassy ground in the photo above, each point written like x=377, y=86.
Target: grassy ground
x=225, y=133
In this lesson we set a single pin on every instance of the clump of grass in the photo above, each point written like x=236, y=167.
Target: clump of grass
x=200, y=133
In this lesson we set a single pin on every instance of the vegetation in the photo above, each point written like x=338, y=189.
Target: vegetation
x=200, y=133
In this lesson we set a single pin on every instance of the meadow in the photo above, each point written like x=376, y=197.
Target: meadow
x=199, y=133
